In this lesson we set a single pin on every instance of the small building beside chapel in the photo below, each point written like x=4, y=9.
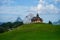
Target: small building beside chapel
x=37, y=19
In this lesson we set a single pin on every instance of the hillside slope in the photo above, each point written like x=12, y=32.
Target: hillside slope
x=33, y=32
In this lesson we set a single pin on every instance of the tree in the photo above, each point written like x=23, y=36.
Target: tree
x=1, y=29
x=9, y=26
x=16, y=24
x=50, y=22
x=6, y=26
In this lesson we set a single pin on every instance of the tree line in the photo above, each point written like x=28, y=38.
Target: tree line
x=10, y=25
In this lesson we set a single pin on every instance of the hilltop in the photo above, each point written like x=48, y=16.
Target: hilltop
x=33, y=32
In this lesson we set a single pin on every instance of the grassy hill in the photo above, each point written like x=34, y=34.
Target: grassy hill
x=33, y=32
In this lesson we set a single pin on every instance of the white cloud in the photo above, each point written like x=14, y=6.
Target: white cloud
x=13, y=9
x=44, y=7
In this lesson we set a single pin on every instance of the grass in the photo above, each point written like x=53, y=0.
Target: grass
x=33, y=32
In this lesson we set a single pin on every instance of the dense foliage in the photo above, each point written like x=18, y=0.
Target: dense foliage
x=9, y=26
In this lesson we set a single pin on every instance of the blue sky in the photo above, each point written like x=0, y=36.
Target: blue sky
x=47, y=9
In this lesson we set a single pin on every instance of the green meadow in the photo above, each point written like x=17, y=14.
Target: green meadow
x=33, y=32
